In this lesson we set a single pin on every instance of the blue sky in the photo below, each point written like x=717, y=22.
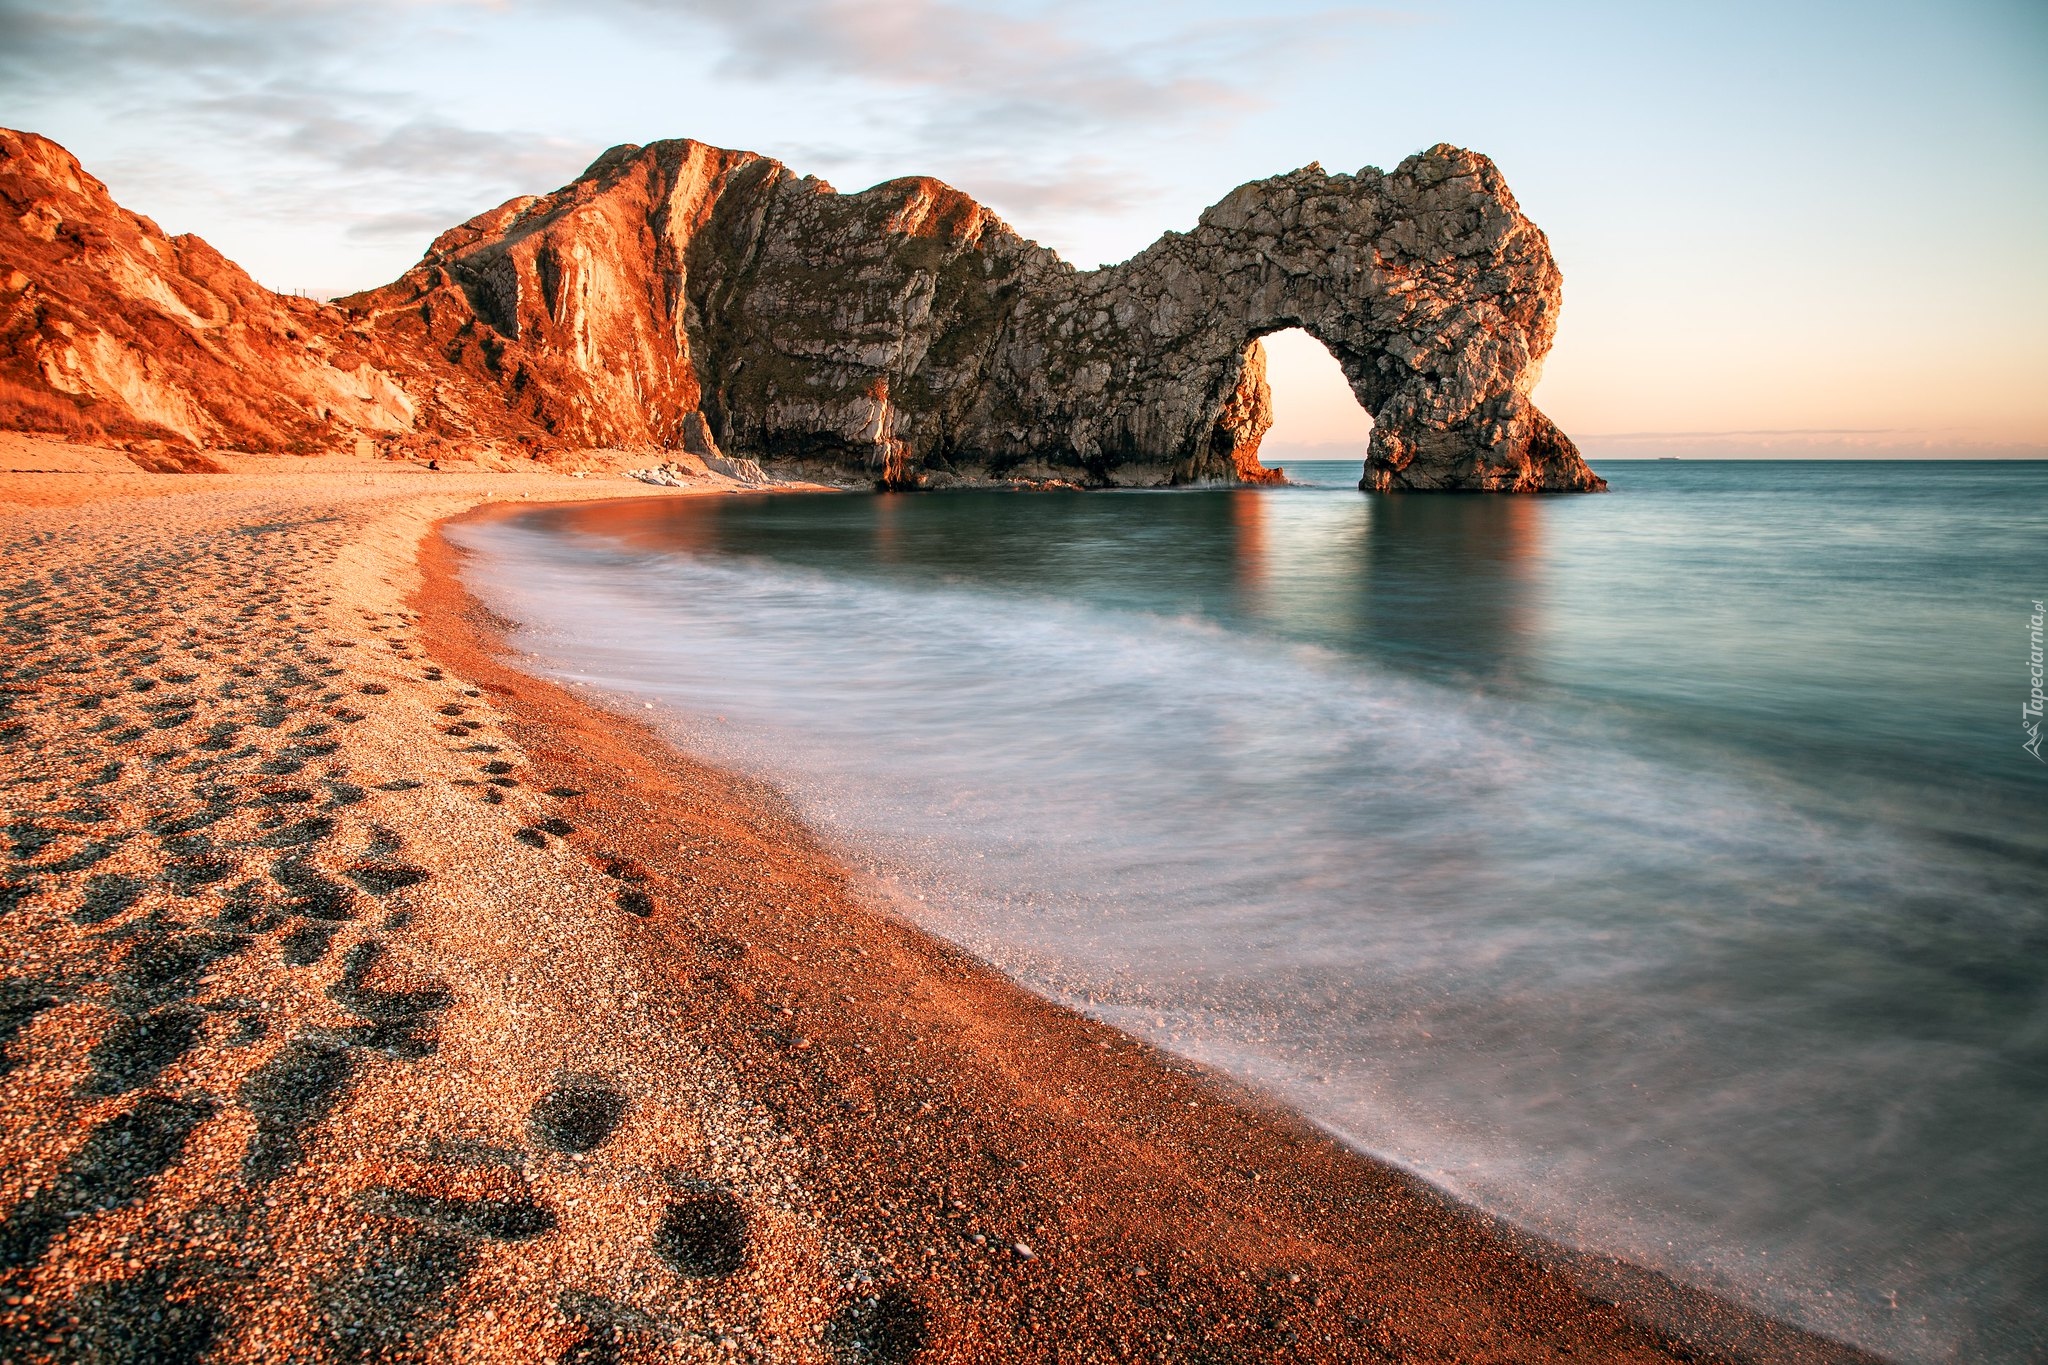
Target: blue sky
x=1795, y=228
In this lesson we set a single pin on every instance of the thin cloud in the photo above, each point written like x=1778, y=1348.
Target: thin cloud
x=428, y=148
x=1051, y=114
x=1756, y=431
x=1028, y=66
x=242, y=69
x=925, y=77
x=422, y=225
x=972, y=74
x=1046, y=117
x=281, y=84
x=1075, y=184
x=357, y=148
x=48, y=47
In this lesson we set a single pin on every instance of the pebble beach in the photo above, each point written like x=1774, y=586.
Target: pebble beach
x=368, y=998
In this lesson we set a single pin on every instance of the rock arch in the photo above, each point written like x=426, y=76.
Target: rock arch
x=1437, y=297
x=906, y=334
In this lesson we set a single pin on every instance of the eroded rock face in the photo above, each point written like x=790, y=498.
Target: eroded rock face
x=679, y=296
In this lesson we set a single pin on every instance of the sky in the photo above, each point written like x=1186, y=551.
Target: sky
x=1786, y=229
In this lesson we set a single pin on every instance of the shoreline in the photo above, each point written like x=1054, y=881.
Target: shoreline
x=1673, y=1314
x=499, y=1030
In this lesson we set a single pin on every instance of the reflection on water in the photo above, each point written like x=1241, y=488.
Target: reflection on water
x=1249, y=550
x=1660, y=869
x=1442, y=585
x=1453, y=582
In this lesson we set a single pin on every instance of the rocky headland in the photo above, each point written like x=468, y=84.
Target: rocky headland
x=684, y=297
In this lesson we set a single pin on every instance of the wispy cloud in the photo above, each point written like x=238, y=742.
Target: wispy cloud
x=1813, y=443
x=1052, y=111
x=1023, y=72
x=284, y=86
x=956, y=71
x=1078, y=183
x=407, y=225
x=1045, y=114
x=1753, y=431
x=44, y=45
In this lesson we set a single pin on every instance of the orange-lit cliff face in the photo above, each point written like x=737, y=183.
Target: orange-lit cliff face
x=570, y=307
x=902, y=334
x=1244, y=422
x=114, y=330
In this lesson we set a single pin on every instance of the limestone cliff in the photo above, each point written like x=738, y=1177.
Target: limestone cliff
x=679, y=293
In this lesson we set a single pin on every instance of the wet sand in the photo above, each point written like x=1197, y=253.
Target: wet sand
x=367, y=998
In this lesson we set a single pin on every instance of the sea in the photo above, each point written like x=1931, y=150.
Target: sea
x=1664, y=872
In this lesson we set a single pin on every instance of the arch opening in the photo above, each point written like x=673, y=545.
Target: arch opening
x=1316, y=416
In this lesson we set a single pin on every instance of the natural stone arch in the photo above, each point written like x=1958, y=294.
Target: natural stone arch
x=908, y=334
x=1437, y=297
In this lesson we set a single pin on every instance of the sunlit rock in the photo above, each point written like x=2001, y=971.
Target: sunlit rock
x=681, y=297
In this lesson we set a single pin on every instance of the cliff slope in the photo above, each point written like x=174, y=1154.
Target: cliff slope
x=111, y=330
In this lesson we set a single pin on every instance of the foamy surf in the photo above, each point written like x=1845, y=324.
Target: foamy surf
x=1650, y=993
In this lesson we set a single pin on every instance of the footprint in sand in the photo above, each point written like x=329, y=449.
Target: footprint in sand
x=886, y=1328
x=577, y=1115
x=393, y=1294
x=632, y=897
x=307, y=943
x=287, y=1095
x=108, y=1170
x=498, y=1220
x=108, y=895
x=21, y=999
x=136, y=1050
x=159, y=1316
x=704, y=1234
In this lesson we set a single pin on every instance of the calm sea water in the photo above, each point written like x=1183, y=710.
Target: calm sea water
x=1661, y=870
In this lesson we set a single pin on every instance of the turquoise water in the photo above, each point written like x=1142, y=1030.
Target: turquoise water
x=1662, y=870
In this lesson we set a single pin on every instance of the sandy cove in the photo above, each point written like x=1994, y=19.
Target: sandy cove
x=367, y=998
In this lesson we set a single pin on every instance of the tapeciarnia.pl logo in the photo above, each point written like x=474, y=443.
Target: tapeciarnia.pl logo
x=2030, y=714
